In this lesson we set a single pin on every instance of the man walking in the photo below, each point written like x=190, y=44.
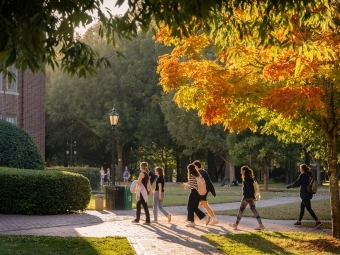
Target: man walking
x=210, y=187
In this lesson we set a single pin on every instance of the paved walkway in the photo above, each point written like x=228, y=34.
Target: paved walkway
x=158, y=238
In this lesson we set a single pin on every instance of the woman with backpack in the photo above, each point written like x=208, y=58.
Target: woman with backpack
x=306, y=196
x=142, y=193
x=248, y=197
x=194, y=198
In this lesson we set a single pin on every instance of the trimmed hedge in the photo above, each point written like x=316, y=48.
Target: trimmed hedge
x=17, y=148
x=42, y=192
x=92, y=173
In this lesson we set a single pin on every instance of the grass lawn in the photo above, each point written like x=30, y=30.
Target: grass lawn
x=289, y=211
x=15, y=245
x=176, y=195
x=265, y=242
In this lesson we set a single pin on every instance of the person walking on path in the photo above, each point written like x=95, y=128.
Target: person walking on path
x=142, y=193
x=248, y=197
x=194, y=198
x=102, y=176
x=158, y=195
x=306, y=196
x=210, y=188
x=126, y=175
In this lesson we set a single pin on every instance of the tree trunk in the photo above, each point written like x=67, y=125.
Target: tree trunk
x=265, y=178
x=334, y=185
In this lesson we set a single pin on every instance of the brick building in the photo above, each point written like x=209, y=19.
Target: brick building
x=22, y=102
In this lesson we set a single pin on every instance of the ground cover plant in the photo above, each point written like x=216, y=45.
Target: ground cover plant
x=264, y=242
x=43, y=245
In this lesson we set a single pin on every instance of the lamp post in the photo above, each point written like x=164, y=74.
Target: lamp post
x=113, y=121
x=72, y=144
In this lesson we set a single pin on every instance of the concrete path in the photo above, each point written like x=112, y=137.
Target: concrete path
x=158, y=238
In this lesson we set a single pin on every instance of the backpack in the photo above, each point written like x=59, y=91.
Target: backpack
x=312, y=185
x=257, y=191
x=133, y=187
x=201, y=186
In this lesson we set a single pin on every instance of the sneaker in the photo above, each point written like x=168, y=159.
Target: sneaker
x=191, y=225
x=207, y=220
x=214, y=221
x=318, y=224
x=135, y=221
x=169, y=218
x=147, y=223
x=155, y=221
x=297, y=224
x=233, y=225
x=260, y=227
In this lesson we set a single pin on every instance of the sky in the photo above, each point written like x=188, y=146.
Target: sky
x=114, y=10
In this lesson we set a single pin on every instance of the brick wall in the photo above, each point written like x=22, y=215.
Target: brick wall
x=28, y=104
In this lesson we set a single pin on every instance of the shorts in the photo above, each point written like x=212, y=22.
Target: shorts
x=126, y=178
x=204, y=197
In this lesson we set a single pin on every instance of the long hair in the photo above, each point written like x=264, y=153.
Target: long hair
x=247, y=172
x=305, y=168
x=144, y=165
x=192, y=171
x=159, y=170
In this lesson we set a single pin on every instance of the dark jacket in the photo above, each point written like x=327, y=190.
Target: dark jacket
x=248, y=188
x=302, y=182
x=208, y=182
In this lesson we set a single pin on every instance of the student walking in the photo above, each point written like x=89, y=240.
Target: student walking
x=194, y=198
x=210, y=188
x=102, y=176
x=306, y=196
x=158, y=196
x=142, y=193
x=248, y=197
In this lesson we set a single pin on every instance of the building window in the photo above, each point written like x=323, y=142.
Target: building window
x=13, y=85
x=11, y=119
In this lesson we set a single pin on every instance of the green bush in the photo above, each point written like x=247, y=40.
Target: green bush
x=17, y=148
x=91, y=173
x=42, y=192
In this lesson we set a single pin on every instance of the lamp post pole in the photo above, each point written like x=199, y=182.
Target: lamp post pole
x=113, y=121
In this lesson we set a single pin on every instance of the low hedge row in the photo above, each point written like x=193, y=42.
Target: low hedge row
x=90, y=173
x=25, y=191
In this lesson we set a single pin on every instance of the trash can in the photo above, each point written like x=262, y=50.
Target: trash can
x=98, y=202
x=114, y=197
x=127, y=198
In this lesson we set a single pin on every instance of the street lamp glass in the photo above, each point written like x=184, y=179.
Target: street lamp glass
x=67, y=152
x=114, y=116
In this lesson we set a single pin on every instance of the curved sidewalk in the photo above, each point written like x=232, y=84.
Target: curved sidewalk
x=158, y=238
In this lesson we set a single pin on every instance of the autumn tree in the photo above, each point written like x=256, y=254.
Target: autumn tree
x=291, y=74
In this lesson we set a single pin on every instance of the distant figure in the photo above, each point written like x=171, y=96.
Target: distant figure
x=152, y=176
x=306, y=196
x=235, y=183
x=248, y=197
x=102, y=176
x=108, y=176
x=126, y=175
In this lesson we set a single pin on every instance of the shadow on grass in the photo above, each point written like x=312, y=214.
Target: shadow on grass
x=250, y=243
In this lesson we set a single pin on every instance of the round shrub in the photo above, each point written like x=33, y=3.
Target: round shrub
x=42, y=192
x=17, y=148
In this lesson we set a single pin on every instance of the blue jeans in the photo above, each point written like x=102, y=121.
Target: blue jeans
x=158, y=203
